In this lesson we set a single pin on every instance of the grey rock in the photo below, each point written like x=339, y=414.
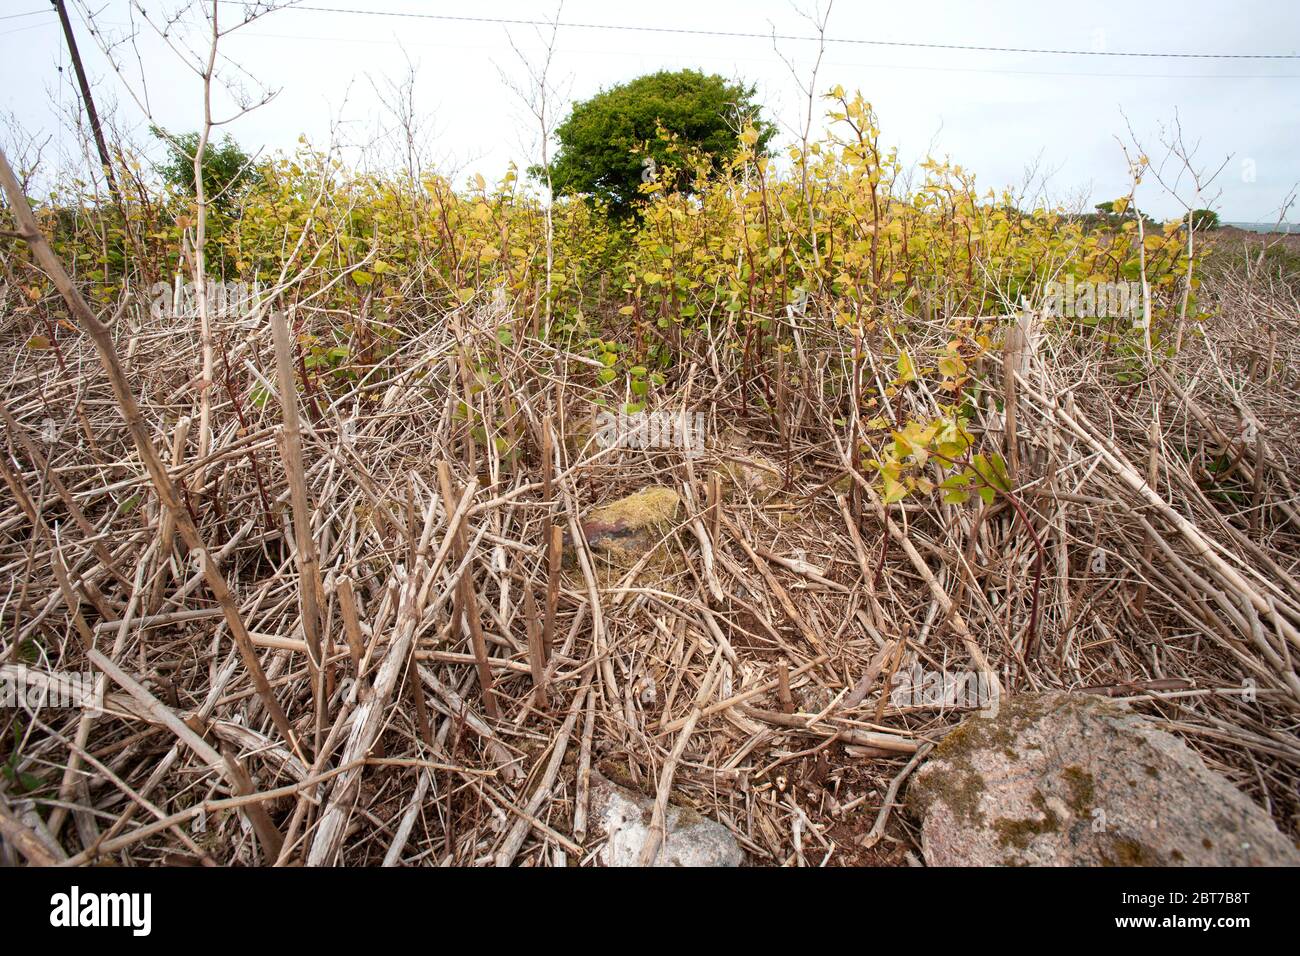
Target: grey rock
x=1076, y=780
x=622, y=817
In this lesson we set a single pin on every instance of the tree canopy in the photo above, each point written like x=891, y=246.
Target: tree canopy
x=612, y=143
x=227, y=169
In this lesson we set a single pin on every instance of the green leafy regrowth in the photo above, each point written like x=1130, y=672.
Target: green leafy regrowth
x=227, y=169
x=614, y=143
x=19, y=780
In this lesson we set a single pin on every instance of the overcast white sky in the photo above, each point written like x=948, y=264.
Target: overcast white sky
x=995, y=113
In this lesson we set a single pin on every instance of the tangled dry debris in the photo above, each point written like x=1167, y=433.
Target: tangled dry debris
x=338, y=627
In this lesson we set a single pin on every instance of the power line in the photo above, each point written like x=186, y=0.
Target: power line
x=31, y=26
x=862, y=66
x=510, y=21
x=29, y=13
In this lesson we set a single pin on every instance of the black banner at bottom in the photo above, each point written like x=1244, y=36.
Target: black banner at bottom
x=149, y=907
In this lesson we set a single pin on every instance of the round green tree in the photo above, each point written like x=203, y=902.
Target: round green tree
x=227, y=169
x=612, y=143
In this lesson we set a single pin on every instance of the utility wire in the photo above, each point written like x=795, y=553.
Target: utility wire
x=29, y=13
x=911, y=67
x=509, y=21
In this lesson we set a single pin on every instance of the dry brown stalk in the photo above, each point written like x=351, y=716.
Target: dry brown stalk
x=465, y=591
x=310, y=589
